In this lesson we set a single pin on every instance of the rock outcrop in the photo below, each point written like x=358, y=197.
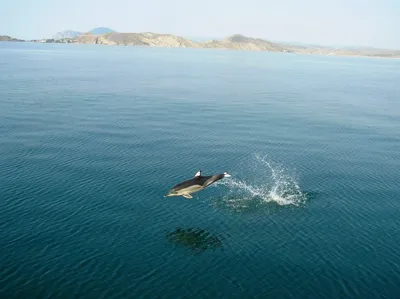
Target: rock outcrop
x=6, y=38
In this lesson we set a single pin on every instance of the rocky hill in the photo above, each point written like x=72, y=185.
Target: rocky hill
x=6, y=38
x=136, y=39
x=237, y=42
x=240, y=42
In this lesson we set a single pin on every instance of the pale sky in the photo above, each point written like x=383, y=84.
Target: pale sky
x=337, y=22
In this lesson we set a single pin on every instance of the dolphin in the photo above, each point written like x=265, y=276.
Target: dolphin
x=195, y=184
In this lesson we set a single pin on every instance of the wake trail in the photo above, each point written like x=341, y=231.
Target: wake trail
x=271, y=182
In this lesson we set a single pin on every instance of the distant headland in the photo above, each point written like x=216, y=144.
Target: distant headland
x=107, y=36
x=6, y=38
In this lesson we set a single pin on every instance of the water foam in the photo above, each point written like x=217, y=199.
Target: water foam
x=271, y=183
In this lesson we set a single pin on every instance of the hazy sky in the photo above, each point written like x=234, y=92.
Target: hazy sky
x=336, y=22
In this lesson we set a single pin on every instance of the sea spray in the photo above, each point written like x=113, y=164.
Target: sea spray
x=270, y=182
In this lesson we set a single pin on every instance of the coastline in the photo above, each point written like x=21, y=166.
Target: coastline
x=235, y=42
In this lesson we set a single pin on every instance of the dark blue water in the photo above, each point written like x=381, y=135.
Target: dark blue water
x=93, y=137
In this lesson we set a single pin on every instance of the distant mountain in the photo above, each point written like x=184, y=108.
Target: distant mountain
x=101, y=30
x=6, y=38
x=66, y=34
x=73, y=33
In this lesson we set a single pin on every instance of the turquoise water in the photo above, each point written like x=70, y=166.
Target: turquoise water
x=93, y=137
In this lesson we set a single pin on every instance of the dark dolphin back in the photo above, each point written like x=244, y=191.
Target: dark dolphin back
x=194, y=181
x=212, y=179
x=201, y=180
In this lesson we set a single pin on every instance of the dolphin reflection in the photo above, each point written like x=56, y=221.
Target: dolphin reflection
x=196, y=239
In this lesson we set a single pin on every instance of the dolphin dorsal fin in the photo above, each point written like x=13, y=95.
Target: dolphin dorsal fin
x=198, y=174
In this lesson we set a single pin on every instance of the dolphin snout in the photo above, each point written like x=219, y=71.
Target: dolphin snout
x=170, y=193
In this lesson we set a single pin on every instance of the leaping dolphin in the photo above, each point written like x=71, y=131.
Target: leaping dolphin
x=195, y=184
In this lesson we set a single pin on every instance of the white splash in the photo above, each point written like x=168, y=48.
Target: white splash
x=272, y=183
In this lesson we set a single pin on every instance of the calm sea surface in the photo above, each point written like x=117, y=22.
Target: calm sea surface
x=92, y=138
